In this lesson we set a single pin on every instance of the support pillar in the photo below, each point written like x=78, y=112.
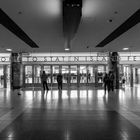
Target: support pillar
x=5, y=76
x=131, y=76
x=113, y=66
x=96, y=76
x=16, y=71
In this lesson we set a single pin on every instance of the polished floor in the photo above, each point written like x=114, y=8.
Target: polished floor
x=74, y=114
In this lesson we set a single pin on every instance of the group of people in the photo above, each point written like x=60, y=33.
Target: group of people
x=108, y=82
x=44, y=79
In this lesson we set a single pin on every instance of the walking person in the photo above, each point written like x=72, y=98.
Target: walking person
x=59, y=81
x=44, y=81
x=106, y=82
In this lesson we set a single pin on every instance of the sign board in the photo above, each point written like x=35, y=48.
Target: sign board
x=99, y=54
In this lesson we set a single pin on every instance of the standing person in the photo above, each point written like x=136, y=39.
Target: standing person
x=59, y=81
x=123, y=80
x=106, y=82
x=89, y=75
x=44, y=81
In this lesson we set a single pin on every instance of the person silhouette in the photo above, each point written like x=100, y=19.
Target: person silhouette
x=106, y=82
x=44, y=81
x=59, y=81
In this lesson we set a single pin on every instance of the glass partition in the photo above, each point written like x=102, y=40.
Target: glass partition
x=47, y=70
x=55, y=71
x=73, y=74
x=90, y=75
x=28, y=74
x=83, y=74
x=100, y=70
x=65, y=73
x=37, y=72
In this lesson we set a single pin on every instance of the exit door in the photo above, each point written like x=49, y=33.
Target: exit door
x=65, y=75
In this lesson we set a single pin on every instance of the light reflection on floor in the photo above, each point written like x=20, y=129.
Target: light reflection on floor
x=124, y=101
x=122, y=94
x=126, y=96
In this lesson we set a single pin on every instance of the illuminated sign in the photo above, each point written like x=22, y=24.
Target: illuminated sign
x=5, y=59
x=64, y=59
x=76, y=58
x=57, y=59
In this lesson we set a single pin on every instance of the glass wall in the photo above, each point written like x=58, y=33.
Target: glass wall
x=73, y=74
x=8, y=76
x=65, y=73
x=126, y=71
x=83, y=74
x=100, y=73
x=37, y=73
x=90, y=75
x=28, y=74
x=47, y=70
x=55, y=71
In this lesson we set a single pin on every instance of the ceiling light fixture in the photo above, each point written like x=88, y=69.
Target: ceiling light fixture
x=52, y=7
x=9, y=50
x=125, y=49
x=89, y=7
x=67, y=49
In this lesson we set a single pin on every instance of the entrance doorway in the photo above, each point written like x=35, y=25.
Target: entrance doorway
x=47, y=70
x=73, y=75
x=90, y=75
x=65, y=74
x=4, y=76
x=100, y=74
x=36, y=73
x=83, y=74
x=55, y=72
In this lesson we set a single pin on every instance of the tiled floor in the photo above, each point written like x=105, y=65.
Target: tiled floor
x=76, y=114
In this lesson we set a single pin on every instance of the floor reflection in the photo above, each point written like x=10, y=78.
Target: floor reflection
x=89, y=98
x=71, y=114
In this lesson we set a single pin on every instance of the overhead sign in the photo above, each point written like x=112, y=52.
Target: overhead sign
x=65, y=59
x=102, y=54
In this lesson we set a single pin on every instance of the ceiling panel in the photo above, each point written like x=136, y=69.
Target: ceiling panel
x=43, y=24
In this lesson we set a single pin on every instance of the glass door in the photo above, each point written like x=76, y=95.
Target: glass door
x=100, y=73
x=90, y=75
x=127, y=74
x=65, y=74
x=55, y=71
x=8, y=76
x=37, y=72
x=83, y=74
x=73, y=74
x=47, y=70
x=28, y=74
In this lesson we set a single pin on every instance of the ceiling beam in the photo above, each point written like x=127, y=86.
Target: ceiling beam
x=72, y=13
x=8, y=23
x=129, y=23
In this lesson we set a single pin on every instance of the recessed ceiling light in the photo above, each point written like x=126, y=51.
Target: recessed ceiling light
x=51, y=8
x=19, y=12
x=125, y=49
x=110, y=20
x=9, y=50
x=89, y=7
x=67, y=49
